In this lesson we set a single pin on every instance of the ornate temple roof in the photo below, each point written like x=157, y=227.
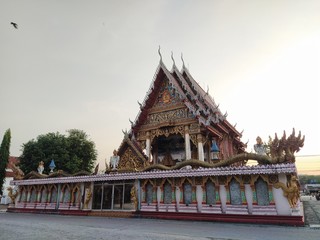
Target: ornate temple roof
x=198, y=102
x=127, y=142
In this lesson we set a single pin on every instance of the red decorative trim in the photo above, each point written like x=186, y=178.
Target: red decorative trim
x=235, y=218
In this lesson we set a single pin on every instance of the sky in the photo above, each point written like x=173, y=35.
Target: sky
x=85, y=64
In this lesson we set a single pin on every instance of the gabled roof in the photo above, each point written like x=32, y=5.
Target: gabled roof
x=127, y=142
x=199, y=102
x=9, y=169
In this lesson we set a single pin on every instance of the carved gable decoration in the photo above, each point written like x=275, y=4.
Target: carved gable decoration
x=167, y=94
x=170, y=116
x=129, y=160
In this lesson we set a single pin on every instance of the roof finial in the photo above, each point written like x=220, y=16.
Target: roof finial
x=160, y=53
x=207, y=93
x=174, y=63
x=182, y=60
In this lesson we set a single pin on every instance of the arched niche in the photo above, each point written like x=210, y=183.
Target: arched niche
x=235, y=192
x=187, y=193
x=262, y=192
x=149, y=193
x=167, y=195
x=210, y=193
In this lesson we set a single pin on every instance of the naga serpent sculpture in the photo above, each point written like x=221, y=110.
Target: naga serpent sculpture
x=280, y=151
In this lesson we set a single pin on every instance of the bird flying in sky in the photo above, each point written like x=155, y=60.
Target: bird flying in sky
x=15, y=25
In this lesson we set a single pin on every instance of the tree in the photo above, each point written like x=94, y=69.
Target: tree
x=71, y=153
x=4, y=156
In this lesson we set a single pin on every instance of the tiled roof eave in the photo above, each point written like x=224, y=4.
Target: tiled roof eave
x=221, y=171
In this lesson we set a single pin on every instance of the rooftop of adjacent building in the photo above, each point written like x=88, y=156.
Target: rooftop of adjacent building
x=12, y=160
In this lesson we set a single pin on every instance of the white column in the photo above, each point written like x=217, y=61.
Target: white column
x=177, y=198
x=158, y=197
x=249, y=197
x=282, y=204
x=199, y=195
x=148, y=145
x=223, y=198
x=82, y=192
x=29, y=196
x=39, y=196
x=187, y=143
x=200, y=148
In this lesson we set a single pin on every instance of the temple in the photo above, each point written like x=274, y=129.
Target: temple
x=181, y=159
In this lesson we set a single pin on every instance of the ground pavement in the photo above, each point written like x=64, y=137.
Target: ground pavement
x=311, y=211
x=23, y=226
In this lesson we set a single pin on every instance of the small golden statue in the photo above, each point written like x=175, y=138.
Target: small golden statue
x=88, y=198
x=134, y=198
x=12, y=194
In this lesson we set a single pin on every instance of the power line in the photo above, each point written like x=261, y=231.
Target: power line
x=315, y=155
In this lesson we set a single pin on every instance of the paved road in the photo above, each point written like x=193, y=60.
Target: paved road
x=57, y=227
x=311, y=211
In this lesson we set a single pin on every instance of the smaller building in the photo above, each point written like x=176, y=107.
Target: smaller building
x=5, y=199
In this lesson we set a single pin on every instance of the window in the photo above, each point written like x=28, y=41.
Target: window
x=210, y=193
x=97, y=194
x=118, y=196
x=262, y=192
x=107, y=196
x=127, y=203
x=149, y=195
x=187, y=193
x=235, y=192
x=167, y=193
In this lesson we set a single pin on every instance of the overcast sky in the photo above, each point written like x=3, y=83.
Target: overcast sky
x=85, y=64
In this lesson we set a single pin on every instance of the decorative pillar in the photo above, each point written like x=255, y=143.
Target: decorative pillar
x=58, y=196
x=38, y=194
x=199, y=196
x=223, y=198
x=282, y=204
x=173, y=194
x=158, y=197
x=200, y=148
x=249, y=197
x=139, y=194
x=148, y=145
x=177, y=198
x=187, y=143
x=49, y=195
x=29, y=194
x=83, y=194
x=88, y=193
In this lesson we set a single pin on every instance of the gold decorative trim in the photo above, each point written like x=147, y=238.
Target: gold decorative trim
x=291, y=191
x=167, y=132
x=193, y=138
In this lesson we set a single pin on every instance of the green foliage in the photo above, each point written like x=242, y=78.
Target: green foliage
x=71, y=153
x=4, y=156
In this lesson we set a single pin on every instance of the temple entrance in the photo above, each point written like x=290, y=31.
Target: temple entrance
x=169, y=150
x=112, y=196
